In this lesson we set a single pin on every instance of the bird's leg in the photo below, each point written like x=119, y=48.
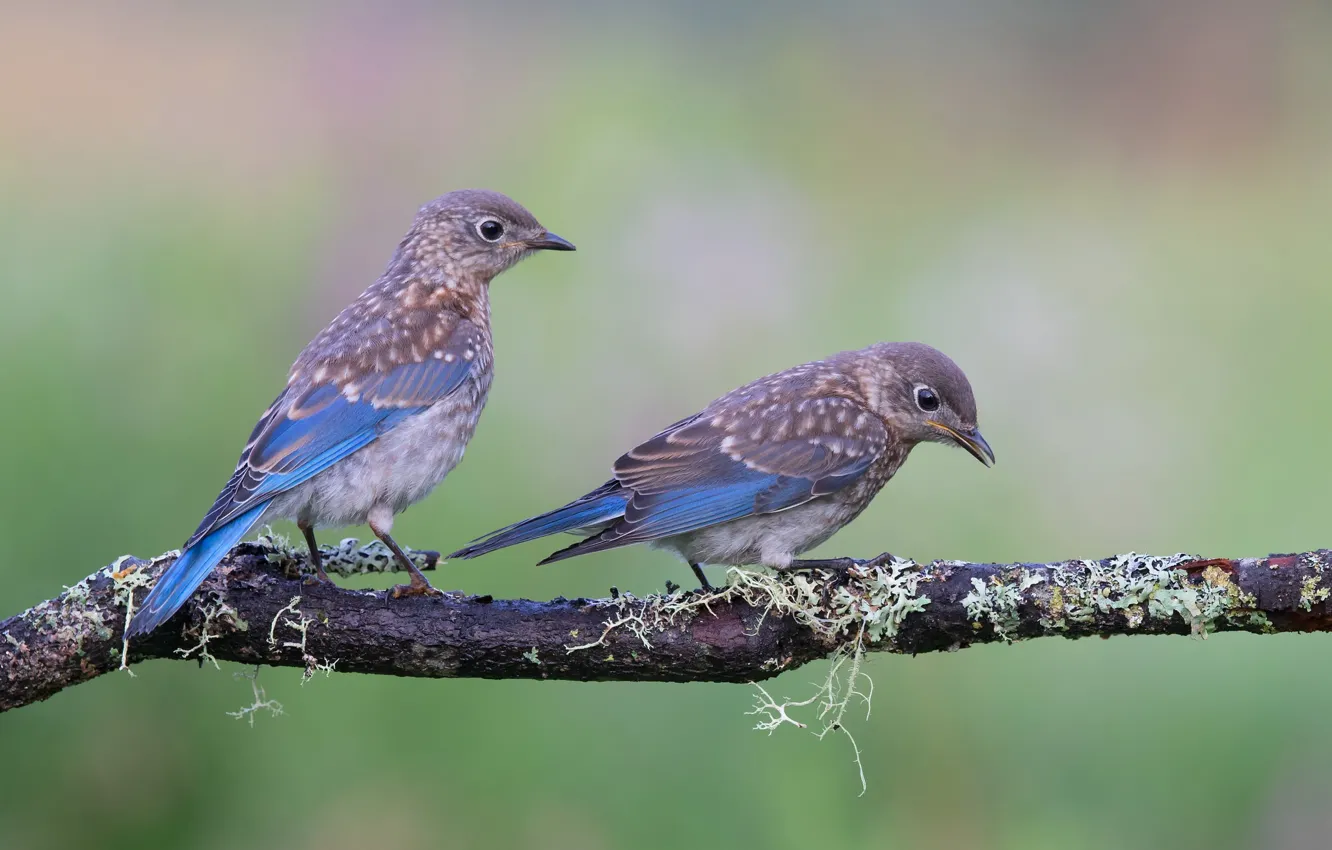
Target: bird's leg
x=839, y=564
x=419, y=586
x=315, y=557
x=704, y=584
x=882, y=559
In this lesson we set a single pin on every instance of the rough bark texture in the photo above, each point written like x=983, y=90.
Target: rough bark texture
x=253, y=610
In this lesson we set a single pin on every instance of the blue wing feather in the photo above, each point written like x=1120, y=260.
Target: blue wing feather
x=740, y=493
x=602, y=505
x=188, y=571
x=301, y=438
x=303, y=433
x=717, y=466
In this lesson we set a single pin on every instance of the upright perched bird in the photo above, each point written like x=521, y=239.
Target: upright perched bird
x=773, y=469
x=380, y=406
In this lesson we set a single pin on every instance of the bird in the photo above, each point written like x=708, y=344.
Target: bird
x=379, y=407
x=772, y=469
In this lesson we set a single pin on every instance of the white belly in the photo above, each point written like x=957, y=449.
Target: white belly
x=772, y=540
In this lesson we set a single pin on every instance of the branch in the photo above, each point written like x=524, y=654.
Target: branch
x=257, y=609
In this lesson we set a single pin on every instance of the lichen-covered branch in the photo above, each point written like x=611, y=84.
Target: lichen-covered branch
x=258, y=609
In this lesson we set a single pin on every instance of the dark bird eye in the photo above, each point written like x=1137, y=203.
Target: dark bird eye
x=490, y=230
x=926, y=399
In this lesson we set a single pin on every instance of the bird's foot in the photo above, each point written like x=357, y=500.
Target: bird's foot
x=401, y=591
x=881, y=560
x=418, y=587
x=319, y=578
x=671, y=587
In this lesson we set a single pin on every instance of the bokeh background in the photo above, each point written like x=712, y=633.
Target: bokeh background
x=1113, y=215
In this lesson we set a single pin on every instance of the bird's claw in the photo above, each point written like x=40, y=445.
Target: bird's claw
x=880, y=560
x=401, y=591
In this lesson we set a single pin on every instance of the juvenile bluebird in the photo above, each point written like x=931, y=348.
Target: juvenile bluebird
x=379, y=407
x=773, y=469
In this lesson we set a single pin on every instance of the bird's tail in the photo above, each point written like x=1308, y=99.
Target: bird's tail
x=188, y=571
x=601, y=505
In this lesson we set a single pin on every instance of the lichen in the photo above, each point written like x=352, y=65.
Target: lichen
x=216, y=611
x=997, y=601
x=73, y=618
x=864, y=611
x=301, y=625
x=867, y=610
x=127, y=575
x=260, y=702
x=272, y=627
x=531, y=656
x=869, y=606
x=1141, y=588
x=349, y=557
x=833, y=697
x=1133, y=615
x=1312, y=590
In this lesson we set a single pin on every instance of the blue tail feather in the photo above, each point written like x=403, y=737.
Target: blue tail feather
x=188, y=571
x=591, y=510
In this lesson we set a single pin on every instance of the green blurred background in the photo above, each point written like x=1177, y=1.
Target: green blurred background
x=1114, y=216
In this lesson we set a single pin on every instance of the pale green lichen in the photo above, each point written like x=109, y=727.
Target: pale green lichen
x=127, y=575
x=1134, y=615
x=1141, y=588
x=997, y=601
x=866, y=610
x=878, y=599
x=1312, y=590
x=531, y=655
x=833, y=697
x=301, y=625
x=73, y=618
x=215, y=612
x=871, y=604
x=272, y=627
x=261, y=701
x=349, y=557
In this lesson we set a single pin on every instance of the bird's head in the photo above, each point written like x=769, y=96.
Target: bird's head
x=925, y=396
x=480, y=233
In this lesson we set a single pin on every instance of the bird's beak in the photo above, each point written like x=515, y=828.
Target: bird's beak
x=971, y=440
x=548, y=241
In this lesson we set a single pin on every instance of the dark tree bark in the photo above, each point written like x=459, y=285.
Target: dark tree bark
x=256, y=610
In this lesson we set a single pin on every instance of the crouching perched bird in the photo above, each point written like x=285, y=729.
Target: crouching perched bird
x=773, y=469
x=379, y=407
